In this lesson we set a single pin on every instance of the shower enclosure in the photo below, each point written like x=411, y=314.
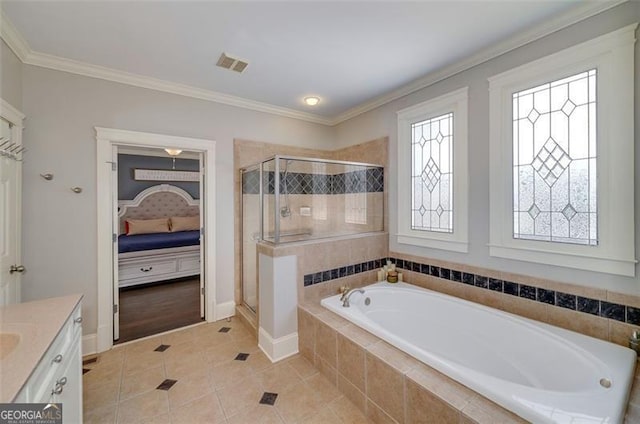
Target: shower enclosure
x=289, y=199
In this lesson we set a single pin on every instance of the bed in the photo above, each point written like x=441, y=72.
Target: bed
x=157, y=256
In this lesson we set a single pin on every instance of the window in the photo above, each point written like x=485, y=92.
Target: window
x=555, y=161
x=562, y=177
x=433, y=174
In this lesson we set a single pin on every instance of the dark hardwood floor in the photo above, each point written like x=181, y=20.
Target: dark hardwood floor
x=159, y=307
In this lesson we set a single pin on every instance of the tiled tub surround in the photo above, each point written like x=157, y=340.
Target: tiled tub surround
x=392, y=387
x=327, y=257
x=595, y=312
x=540, y=372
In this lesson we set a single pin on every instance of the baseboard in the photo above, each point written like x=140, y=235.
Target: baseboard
x=280, y=348
x=89, y=344
x=225, y=310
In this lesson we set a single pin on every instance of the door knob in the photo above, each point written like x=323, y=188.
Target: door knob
x=16, y=268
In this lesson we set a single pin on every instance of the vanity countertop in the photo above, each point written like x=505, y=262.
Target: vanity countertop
x=26, y=331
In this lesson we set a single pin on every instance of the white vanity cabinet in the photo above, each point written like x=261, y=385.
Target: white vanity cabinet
x=58, y=376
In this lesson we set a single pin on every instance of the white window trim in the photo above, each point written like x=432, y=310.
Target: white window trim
x=613, y=56
x=458, y=241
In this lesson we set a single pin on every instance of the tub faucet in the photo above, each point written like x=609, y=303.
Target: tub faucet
x=345, y=297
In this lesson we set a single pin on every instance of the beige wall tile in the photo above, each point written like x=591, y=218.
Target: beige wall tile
x=424, y=407
x=329, y=372
x=619, y=332
x=326, y=344
x=482, y=411
x=377, y=415
x=306, y=334
x=351, y=359
x=391, y=356
x=623, y=299
x=357, y=335
x=580, y=322
x=448, y=391
x=385, y=386
x=351, y=392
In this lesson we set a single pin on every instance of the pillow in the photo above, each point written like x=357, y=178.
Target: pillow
x=147, y=226
x=185, y=223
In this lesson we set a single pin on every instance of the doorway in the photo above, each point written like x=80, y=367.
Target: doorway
x=108, y=143
x=160, y=278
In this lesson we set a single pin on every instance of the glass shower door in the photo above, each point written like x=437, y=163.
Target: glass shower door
x=250, y=234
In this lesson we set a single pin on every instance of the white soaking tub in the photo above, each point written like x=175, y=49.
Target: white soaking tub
x=542, y=373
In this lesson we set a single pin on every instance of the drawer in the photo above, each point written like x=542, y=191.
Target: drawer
x=138, y=270
x=189, y=264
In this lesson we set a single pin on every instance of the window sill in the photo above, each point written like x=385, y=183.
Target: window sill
x=626, y=267
x=450, y=245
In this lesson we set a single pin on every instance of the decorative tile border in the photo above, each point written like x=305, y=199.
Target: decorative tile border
x=601, y=308
x=370, y=180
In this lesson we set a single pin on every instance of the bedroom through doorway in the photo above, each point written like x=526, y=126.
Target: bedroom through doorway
x=160, y=280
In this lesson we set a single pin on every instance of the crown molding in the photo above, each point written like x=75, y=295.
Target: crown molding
x=13, y=38
x=21, y=48
x=557, y=23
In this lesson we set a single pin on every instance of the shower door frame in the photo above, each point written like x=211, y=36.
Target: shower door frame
x=258, y=167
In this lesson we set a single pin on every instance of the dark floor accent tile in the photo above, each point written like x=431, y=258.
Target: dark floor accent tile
x=511, y=288
x=445, y=273
x=468, y=278
x=481, y=281
x=589, y=306
x=90, y=361
x=268, y=398
x=317, y=278
x=565, y=300
x=495, y=284
x=166, y=384
x=224, y=330
x=612, y=310
x=85, y=370
x=527, y=292
x=456, y=276
x=162, y=348
x=546, y=296
x=434, y=271
x=241, y=357
x=308, y=280
x=633, y=315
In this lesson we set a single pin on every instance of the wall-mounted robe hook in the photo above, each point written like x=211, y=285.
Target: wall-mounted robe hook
x=47, y=176
x=76, y=190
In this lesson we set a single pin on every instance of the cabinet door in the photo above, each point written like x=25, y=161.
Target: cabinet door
x=70, y=393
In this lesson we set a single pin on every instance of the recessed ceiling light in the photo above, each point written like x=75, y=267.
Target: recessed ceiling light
x=311, y=100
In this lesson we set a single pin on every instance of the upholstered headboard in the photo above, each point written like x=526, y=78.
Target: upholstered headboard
x=159, y=201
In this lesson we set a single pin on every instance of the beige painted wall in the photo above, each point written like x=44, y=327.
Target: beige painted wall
x=59, y=240
x=382, y=121
x=10, y=76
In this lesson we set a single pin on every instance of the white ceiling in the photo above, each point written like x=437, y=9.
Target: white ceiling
x=347, y=53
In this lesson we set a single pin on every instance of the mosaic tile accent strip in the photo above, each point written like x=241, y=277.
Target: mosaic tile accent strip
x=162, y=348
x=345, y=271
x=166, y=384
x=370, y=180
x=602, y=308
x=268, y=398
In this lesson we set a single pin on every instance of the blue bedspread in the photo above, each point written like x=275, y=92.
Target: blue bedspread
x=140, y=242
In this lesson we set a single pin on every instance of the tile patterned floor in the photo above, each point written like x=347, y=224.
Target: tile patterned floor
x=213, y=383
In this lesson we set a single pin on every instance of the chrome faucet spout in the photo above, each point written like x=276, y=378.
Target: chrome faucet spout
x=345, y=297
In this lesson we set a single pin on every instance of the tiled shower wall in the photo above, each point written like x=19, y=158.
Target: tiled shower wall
x=247, y=153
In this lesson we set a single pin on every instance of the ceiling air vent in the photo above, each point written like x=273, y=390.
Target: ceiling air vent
x=232, y=63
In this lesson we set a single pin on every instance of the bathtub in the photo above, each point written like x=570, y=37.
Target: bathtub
x=542, y=373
